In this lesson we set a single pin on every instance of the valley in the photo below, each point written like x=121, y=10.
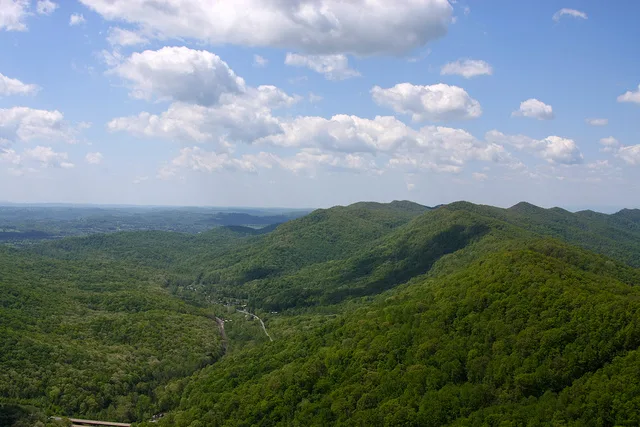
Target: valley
x=367, y=314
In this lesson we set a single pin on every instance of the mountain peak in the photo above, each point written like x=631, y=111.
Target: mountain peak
x=525, y=207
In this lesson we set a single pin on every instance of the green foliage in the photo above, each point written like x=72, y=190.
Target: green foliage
x=27, y=416
x=514, y=328
x=381, y=314
x=95, y=338
x=617, y=235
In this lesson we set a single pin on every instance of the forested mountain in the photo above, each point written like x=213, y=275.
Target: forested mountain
x=373, y=314
x=613, y=235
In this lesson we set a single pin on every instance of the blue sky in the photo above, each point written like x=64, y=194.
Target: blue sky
x=320, y=102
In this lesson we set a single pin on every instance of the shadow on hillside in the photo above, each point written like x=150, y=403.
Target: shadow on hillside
x=384, y=271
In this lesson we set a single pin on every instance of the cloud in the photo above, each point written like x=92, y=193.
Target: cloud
x=630, y=96
x=197, y=159
x=534, y=109
x=598, y=165
x=9, y=86
x=553, y=149
x=179, y=74
x=313, y=98
x=9, y=156
x=13, y=15
x=243, y=117
x=46, y=7
x=94, y=158
x=121, y=37
x=360, y=27
x=110, y=58
x=341, y=143
x=26, y=124
x=140, y=179
x=630, y=154
x=76, y=19
x=333, y=67
x=439, y=102
x=569, y=12
x=307, y=162
x=479, y=176
x=609, y=144
x=414, y=164
x=310, y=160
x=467, y=68
x=433, y=147
x=342, y=133
x=47, y=157
x=259, y=61
x=445, y=149
x=561, y=150
x=597, y=122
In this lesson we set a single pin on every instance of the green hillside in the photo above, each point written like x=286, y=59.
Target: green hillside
x=380, y=314
x=224, y=260
x=94, y=338
x=614, y=235
x=508, y=338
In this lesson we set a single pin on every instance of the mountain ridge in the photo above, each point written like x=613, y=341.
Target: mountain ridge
x=394, y=313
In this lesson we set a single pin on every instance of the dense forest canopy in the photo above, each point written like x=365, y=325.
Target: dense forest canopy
x=368, y=314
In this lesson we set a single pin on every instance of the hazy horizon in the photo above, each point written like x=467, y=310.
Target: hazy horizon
x=601, y=209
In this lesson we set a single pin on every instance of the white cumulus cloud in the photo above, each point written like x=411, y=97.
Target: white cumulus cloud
x=47, y=157
x=361, y=27
x=553, y=149
x=467, y=68
x=197, y=159
x=12, y=14
x=630, y=154
x=534, y=109
x=310, y=160
x=439, y=102
x=9, y=86
x=333, y=67
x=22, y=124
x=437, y=147
x=179, y=74
x=342, y=133
x=76, y=19
x=609, y=144
x=569, y=12
x=307, y=161
x=9, y=156
x=238, y=118
x=46, y=7
x=630, y=96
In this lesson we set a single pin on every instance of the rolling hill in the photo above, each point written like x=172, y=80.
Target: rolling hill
x=381, y=314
